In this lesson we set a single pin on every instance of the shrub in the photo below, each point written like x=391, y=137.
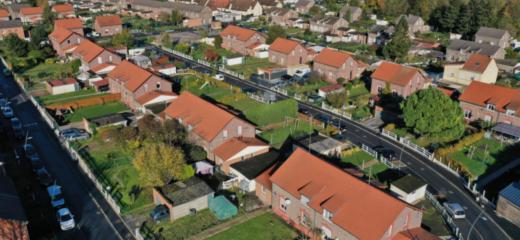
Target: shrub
x=350, y=151
x=390, y=127
x=443, y=153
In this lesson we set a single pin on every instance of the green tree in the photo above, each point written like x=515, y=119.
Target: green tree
x=274, y=32
x=165, y=40
x=394, y=8
x=39, y=33
x=315, y=11
x=13, y=46
x=48, y=16
x=218, y=41
x=432, y=114
x=197, y=153
x=176, y=17
x=336, y=100
x=123, y=39
x=182, y=47
x=400, y=43
x=463, y=25
x=158, y=164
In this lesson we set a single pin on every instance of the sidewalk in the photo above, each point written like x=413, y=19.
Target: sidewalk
x=226, y=225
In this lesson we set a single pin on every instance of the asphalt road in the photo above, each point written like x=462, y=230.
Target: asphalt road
x=486, y=225
x=94, y=217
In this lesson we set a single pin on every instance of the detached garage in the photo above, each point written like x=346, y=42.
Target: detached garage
x=409, y=189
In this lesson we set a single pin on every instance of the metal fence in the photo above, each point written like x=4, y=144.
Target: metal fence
x=445, y=215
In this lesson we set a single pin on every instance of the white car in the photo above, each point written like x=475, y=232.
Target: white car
x=219, y=77
x=56, y=196
x=455, y=210
x=8, y=112
x=66, y=219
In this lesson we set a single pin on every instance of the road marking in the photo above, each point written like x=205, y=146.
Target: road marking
x=355, y=125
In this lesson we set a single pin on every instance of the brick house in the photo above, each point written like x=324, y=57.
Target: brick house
x=13, y=221
x=303, y=6
x=151, y=9
x=108, y=25
x=31, y=15
x=491, y=103
x=92, y=55
x=281, y=16
x=460, y=50
x=285, y=52
x=333, y=64
x=477, y=68
x=64, y=10
x=328, y=24
x=237, y=149
x=72, y=24
x=401, y=80
x=64, y=41
x=493, y=36
x=4, y=15
x=310, y=193
x=415, y=24
x=246, y=7
x=351, y=13
x=209, y=126
x=508, y=204
x=133, y=82
x=11, y=27
x=239, y=40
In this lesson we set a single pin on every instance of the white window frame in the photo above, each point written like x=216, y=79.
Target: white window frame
x=327, y=215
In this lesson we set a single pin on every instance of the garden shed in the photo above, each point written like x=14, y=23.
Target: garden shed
x=222, y=207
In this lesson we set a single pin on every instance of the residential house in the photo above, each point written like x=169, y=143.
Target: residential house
x=333, y=64
x=460, y=50
x=511, y=66
x=327, y=24
x=246, y=7
x=237, y=149
x=31, y=15
x=240, y=40
x=92, y=55
x=508, y=203
x=285, y=52
x=303, y=6
x=14, y=9
x=151, y=9
x=62, y=86
x=64, y=10
x=311, y=193
x=409, y=189
x=208, y=125
x=330, y=89
x=108, y=25
x=72, y=24
x=281, y=16
x=415, y=24
x=13, y=221
x=218, y=4
x=64, y=41
x=4, y=15
x=400, y=80
x=133, y=82
x=493, y=36
x=11, y=27
x=351, y=13
x=477, y=68
x=491, y=103
x=155, y=100
x=183, y=198
x=245, y=172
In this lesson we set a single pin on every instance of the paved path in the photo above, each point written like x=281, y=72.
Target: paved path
x=225, y=226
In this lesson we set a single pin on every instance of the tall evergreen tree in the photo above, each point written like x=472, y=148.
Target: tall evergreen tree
x=400, y=43
x=463, y=25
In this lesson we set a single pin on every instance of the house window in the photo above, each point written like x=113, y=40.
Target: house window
x=390, y=230
x=99, y=60
x=68, y=41
x=467, y=113
x=327, y=215
x=305, y=200
x=146, y=87
x=379, y=89
x=510, y=112
x=490, y=106
x=158, y=85
x=224, y=134
x=284, y=203
x=487, y=118
x=110, y=58
x=239, y=130
x=326, y=234
x=304, y=219
x=394, y=92
x=262, y=189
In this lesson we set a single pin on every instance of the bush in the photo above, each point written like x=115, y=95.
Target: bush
x=390, y=127
x=444, y=153
x=197, y=153
x=350, y=151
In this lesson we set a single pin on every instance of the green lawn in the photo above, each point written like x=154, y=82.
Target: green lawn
x=485, y=154
x=358, y=90
x=432, y=219
x=96, y=111
x=68, y=97
x=187, y=226
x=277, y=136
x=306, y=88
x=50, y=71
x=361, y=157
x=263, y=227
x=250, y=66
x=198, y=52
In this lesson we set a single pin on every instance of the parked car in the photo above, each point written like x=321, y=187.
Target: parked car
x=44, y=177
x=73, y=134
x=56, y=196
x=3, y=102
x=29, y=150
x=66, y=219
x=219, y=77
x=17, y=127
x=455, y=210
x=37, y=164
x=160, y=212
x=7, y=112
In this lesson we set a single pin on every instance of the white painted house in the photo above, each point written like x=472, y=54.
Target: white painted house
x=245, y=172
x=409, y=189
x=62, y=86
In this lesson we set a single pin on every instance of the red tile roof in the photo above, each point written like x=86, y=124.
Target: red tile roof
x=131, y=75
x=331, y=88
x=283, y=45
x=68, y=23
x=206, y=119
x=395, y=73
x=88, y=50
x=100, y=83
x=503, y=98
x=264, y=178
x=415, y=234
x=61, y=8
x=62, y=82
x=477, y=63
x=234, y=145
x=60, y=34
x=149, y=96
x=242, y=34
x=357, y=207
x=31, y=10
x=216, y=4
x=333, y=58
x=108, y=20
x=4, y=13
